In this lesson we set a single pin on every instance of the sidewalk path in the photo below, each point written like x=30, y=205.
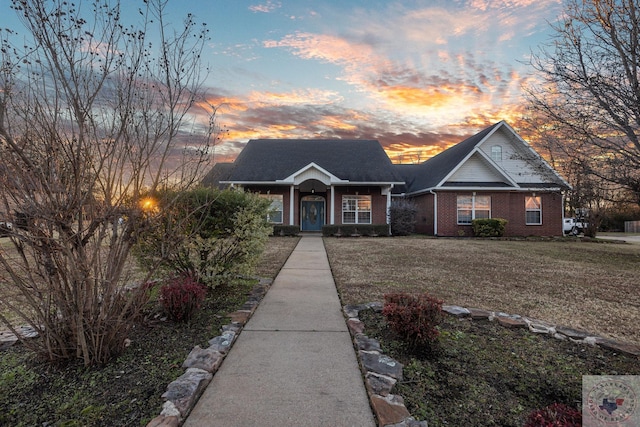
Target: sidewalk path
x=294, y=363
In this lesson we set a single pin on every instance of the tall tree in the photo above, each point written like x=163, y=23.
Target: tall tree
x=589, y=98
x=95, y=113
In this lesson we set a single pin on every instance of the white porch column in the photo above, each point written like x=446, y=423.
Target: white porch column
x=292, y=192
x=333, y=206
x=389, y=204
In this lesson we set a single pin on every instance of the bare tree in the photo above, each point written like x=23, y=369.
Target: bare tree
x=95, y=113
x=590, y=94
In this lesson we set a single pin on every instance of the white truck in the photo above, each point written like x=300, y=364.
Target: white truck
x=574, y=226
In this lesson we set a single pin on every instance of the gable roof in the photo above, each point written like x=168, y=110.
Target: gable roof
x=431, y=172
x=434, y=172
x=219, y=172
x=276, y=160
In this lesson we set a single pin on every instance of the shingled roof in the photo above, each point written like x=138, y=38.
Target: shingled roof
x=431, y=173
x=272, y=160
x=219, y=172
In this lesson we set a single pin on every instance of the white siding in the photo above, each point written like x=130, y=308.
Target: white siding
x=312, y=173
x=517, y=162
x=476, y=169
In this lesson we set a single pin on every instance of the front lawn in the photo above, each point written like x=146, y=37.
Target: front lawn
x=479, y=373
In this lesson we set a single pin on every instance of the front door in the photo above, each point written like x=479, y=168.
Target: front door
x=312, y=213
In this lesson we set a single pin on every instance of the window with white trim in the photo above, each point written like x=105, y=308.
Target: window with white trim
x=473, y=207
x=274, y=215
x=533, y=210
x=496, y=153
x=356, y=209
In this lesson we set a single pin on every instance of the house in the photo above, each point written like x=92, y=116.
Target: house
x=315, y=182
x=493, y=174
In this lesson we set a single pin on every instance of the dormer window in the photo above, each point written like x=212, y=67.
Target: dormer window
x=496, y=153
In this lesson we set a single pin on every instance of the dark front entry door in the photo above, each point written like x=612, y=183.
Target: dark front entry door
x=312, y=214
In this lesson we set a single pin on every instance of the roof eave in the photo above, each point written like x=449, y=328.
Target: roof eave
x=494, y=189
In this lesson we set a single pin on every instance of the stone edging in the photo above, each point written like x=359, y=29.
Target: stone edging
x=382, y=372
x=202, y=363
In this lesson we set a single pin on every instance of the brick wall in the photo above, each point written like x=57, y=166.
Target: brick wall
x=507, y=205
x=378, y=202
x=424, y=216
x=284, y=191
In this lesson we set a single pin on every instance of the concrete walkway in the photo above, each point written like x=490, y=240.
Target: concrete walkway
x=294, y=363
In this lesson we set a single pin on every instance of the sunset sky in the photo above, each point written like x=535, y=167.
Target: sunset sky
x=417, y=75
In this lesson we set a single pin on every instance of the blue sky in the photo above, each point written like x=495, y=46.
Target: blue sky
x=416, y=75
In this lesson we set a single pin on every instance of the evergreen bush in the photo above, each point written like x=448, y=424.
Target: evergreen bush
x=403, y=217
x=489, y=227
x=210, y=235
x=286, y=230
x=356, y=230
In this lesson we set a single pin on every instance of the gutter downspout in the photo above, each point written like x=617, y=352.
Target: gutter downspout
x=562, y=225
x=435, y=212
x=389, y=207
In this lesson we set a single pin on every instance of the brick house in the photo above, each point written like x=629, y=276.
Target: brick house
x=493, y=174
x=314, y=182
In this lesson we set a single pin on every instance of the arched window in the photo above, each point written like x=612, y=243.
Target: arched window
x=496, y=153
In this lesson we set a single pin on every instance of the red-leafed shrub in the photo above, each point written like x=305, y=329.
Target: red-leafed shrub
x=414, y=317
x=181, y=297
x=555, y=415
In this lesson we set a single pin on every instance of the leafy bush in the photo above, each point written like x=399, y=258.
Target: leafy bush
x=354, y=230
x=286, y=230
x=181, y=297
x=403, y=217
x=211, y=235
x=555, y=415
x=489, y=227
x=414, y=317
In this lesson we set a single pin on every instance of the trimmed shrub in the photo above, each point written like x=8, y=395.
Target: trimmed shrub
x=489, y=227
x=555, y=415
x=181, y=297
x=356, y=230
x=208, y=235
x=414, y=317
x=286, y=230
x=403, y=217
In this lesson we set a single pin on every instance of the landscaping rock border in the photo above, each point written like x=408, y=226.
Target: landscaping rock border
x=382, y=372
x=202, y=363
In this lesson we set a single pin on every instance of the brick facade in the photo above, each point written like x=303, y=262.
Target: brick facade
x=506, y=205
x=378, y=201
